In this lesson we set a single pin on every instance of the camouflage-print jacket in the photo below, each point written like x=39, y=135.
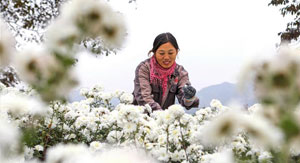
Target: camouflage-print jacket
x=152, y=94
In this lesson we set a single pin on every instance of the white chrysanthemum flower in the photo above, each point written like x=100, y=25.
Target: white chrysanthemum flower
x=19, y=104
x=174, y=137
x=176, y=110
x=71, y=115
x=84, y=91
x=87, y=133
x=126, y=98
x=148, y=108
x=7, y=44
x=100, y=111
x=294, y=150
x=162, y=139
x=161, y=154
x=70, y=136
x=204, y=114
x=98, y=88
x=194, y=148
x=178, y=155
x=39, y=148
x=106, y=96
x=96, y=146
x=129, y=127
x=187, y=118
x=164, y=117
x=92, y=125
x=239, y=144
x=51, y=122
x=149, y=146
x=265, y=157
x=118, y=93
x=129, y=113
x=114, y=136
x=140, y=109
x=112, y=117
x=35, y=64
x=81, y=121
x=88, y=101
x=61, y=108
x=151, y=132
x=28, y=153
x=216, y=104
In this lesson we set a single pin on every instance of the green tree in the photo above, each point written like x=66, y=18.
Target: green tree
x=28, y=20
x=9, y=77
x=29, y=16
x=289, y=7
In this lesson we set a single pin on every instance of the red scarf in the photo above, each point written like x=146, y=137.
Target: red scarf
x=159, y=74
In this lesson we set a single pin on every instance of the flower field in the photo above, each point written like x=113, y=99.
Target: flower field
x=87, y=129
x=38, y=125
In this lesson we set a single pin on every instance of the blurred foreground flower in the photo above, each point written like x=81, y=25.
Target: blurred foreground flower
x=49, y=67
x=89, y=18
x=277, y=87
x=9, y=136
x=69, y=153
x=276, y=80
x=7, y=44
x=46, y=73
x=20, y=105
x=125, y=155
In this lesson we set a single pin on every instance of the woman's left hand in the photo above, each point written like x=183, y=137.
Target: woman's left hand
x=189, y=91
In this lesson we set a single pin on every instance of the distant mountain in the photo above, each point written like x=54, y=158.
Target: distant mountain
x=226, y=93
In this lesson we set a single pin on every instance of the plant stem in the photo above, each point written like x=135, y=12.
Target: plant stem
x=167, y=139
x=285, y=153
x=183, y=144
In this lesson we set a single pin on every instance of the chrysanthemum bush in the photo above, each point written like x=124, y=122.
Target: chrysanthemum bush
x=38, y=125
x=91, y=128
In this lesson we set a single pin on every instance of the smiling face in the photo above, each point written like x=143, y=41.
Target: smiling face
x=166, y=55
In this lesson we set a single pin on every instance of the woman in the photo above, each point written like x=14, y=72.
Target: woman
x=159, y=78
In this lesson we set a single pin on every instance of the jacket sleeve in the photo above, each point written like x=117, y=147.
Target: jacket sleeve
x=142, y=88
x=183, y=80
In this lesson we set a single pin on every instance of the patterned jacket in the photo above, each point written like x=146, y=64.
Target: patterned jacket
x=152, y=94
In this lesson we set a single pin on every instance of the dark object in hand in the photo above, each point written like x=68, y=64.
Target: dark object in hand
x=189, y=91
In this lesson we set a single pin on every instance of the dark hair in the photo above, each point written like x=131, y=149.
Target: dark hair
x=162, y=39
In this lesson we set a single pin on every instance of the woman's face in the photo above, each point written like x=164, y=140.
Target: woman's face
x=166, y=55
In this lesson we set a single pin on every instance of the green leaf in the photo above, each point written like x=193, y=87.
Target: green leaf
x=289, y=126
x=30, y=137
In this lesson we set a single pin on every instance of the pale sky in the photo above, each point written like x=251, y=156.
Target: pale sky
x=216, y=38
